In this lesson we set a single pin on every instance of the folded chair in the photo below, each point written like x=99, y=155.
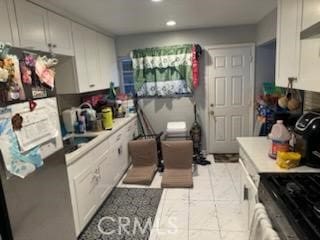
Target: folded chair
x=177, y=157
x=144, y=162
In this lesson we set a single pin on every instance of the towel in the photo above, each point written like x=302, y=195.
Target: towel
x=261, y=227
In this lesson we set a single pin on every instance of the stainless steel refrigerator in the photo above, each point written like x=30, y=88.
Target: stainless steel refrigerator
x=38, y=207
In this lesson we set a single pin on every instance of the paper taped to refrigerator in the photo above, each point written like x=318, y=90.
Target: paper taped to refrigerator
x=37, y=129
x=16, y=163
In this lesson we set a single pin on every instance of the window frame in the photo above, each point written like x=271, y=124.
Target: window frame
x=122, y=73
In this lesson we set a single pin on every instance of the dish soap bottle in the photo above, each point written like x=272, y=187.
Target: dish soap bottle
x=280, y=138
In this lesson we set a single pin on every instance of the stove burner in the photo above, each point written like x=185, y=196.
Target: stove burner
x=316, y=209
x=293, y=188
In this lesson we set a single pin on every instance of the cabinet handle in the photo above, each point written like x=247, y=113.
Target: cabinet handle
x=54, y=45
x=49, y=45
x=292, y=79
x=120, y=150
x=245, y=193
x=92, y=85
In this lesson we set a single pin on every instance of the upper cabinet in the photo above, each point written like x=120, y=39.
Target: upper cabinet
x=94, y=65
x=311, y=13
x=60, y=34
x=43, y=30
x=108, y=60
x=32, y=25
x=8, y=24
x=288, y=41
x=298, y=44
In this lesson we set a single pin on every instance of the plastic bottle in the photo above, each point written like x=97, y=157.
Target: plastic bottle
x=82, y=124
x=280, y=137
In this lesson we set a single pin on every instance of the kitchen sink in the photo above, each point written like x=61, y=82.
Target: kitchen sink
x=73, y=143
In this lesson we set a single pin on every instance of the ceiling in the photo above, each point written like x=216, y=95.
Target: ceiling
x=121, y=17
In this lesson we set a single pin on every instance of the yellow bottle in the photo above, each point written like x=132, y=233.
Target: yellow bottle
x=107, y=118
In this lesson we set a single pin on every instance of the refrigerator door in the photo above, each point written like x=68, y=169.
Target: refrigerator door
x=39, y=206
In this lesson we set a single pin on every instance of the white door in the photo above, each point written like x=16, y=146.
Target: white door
x=60, y=32
x=32, y=25
x=230, y=93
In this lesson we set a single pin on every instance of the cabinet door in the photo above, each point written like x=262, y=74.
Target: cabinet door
x=249, y=195
x=78, y=33
x=8, y=25
x=91, y=49
x=85, y=190
x=108, y=60
x=104, y=60
x=288, y=40
x=32, y=25
x=106, y=176
x=60, y=33
x=310, y=13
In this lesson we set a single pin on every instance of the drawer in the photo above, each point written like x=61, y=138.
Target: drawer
x=251, y=169
x=117, y=137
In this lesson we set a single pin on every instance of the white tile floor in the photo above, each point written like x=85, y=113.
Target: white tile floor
x=209, y=211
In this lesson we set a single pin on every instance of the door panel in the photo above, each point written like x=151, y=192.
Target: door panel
x=5, y=25
x=230, y=94
x=85, y=187
x=32, y=25
x=60, y=34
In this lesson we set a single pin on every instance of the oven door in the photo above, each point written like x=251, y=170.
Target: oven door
x=249, y=195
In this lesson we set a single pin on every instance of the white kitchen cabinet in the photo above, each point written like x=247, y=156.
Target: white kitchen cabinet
x=297, y=58
x=60, y=34
x=249, y=195
x=32, y=25
x=108, y=60
x=106, y=174
x=93, y=176
x=92, y=60
x=79, y=74
x=8, y=24
x=94, y=65
x=311, y=13
x=288, y=41
x=43, y=30
x=85, y=185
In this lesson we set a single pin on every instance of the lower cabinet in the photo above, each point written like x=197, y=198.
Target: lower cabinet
x=93, y=176
x=85, y=192
x=249, y=195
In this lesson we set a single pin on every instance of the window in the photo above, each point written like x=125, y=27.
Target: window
x=127, y=81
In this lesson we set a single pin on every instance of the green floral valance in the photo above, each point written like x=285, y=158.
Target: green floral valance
x=163, y=71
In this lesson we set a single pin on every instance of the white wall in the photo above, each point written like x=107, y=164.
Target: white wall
x=160, y=111
x=267, y=28
x=204, y=37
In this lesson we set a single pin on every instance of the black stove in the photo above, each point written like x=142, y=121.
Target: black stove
x=293, y=204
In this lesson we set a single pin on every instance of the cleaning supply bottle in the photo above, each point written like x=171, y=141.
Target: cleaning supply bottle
x=280, y=138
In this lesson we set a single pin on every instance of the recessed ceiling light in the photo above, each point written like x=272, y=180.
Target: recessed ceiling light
x=156, y=0
x=171, y=23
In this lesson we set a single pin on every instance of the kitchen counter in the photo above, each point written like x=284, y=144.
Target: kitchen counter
x=99, y=137
x=256, y=150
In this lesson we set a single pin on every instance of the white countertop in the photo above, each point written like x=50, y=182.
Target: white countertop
x=257, y=148
x=118, y=123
